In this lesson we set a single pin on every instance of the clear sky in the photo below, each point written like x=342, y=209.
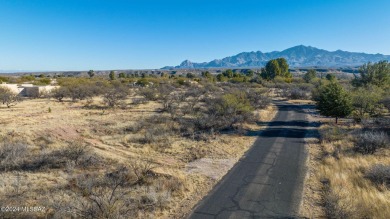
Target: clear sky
x=145, y=34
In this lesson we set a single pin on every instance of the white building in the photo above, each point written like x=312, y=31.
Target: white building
x=28, y=90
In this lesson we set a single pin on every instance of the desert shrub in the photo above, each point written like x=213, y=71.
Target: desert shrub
x=386, y=102
x=225, y=111
x=111, y=195
x=297, y=93
x=115, y=95
x=296, y=80
x=279, y=80
x=4, y=79
x=44, y=160
x=380, y=123
x=81, y=91
x=193, y=97
x=157, y=92
x=379, y=174
x=366, y=102
x=76, y=155
x=42, y=81
x=171, y=103
x=12, y=154
x=195, y=153
x=153, y=200
x=142, y=171
x=60, y=93
x=149, y=93
x=8, y=98
x=369, y=141
x=106, y=196
x=80, y=88
x=258, y=99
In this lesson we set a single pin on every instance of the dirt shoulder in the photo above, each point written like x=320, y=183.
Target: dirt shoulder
x=311, y=203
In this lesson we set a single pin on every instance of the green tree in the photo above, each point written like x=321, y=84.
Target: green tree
x=206, y=74
x=91, y=73
x=228, y=73
x=276, y=67
x=164, y=75
x=366, y=101
x=374, y=74
x=112, y=75
x=310, y=75
x=333, y=100
x=122, y=75
x=250, y=73
x=190, y=75
x=330, y=77
x=221, y=77
x=283, y=65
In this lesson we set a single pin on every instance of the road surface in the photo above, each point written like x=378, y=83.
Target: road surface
x=267, y=182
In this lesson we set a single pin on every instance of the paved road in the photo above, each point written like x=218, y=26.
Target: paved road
x=267, y=182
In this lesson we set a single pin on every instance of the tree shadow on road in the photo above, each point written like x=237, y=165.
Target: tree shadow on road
x=299, y=123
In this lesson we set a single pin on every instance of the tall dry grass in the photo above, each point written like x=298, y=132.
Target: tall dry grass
x=347, y=192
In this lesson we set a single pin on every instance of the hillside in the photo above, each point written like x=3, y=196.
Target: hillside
x=298, y=56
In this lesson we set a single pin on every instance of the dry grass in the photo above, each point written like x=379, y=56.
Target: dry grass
x=106, y=133
x=337, y=184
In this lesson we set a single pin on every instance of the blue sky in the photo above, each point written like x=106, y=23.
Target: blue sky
x=145, y=34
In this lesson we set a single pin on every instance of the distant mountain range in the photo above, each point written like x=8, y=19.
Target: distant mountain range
x=298, y=56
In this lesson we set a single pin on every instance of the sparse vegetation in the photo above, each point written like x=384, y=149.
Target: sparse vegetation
x=8, y=98
x=120, y=145
x=351, y=165
x=119, y=148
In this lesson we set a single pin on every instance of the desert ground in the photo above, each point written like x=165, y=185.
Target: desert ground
x=179, y=171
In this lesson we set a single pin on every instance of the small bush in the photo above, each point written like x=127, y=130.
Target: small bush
x=12, y=154
x=103, y=196
x=298, y=93
x=115, y=95
x=8, y=97
x=75, y=154
x=368, y=142
x=60, y=93
x=258, y=99
x=379, y=174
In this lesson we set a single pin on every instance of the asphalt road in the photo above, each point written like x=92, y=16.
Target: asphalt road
x=267, y=182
